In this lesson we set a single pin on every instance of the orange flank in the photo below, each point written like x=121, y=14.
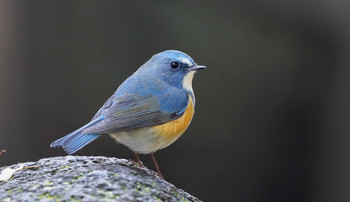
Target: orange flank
x=174, y=129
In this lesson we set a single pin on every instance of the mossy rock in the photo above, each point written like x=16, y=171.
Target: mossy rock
x=81, y=178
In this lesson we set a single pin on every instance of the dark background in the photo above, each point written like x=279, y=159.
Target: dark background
x=272, y=114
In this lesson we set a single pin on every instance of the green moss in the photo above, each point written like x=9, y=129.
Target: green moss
x=73, y=199
x=68, y=186
x=122, y=186
x=75, y=177
x=107, y=194
x=48, y=183
x=15, y=190
x=181, y=197
x=156, y=198
x=50, y=197
x=143, y=189
x=35, y=186
x=64, y=167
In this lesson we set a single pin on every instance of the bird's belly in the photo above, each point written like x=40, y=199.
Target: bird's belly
x=150, y=139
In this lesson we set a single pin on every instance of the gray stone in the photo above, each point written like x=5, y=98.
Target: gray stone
x=81, y=178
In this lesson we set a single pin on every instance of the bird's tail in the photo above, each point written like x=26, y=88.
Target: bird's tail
x=76, y=140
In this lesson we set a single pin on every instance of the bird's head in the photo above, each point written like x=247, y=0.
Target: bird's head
x=174, y=67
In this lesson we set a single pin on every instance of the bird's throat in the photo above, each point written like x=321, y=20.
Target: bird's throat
x=187, y=81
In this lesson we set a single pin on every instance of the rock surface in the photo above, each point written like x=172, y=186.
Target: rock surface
x=81, y=178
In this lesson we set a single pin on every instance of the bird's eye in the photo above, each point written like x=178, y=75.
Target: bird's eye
x=174, y=64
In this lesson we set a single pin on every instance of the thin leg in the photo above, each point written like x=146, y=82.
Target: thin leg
x=139, y=162
x=2, y=151
x=156, y=165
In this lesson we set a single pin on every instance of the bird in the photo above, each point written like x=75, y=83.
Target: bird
x=149, y=111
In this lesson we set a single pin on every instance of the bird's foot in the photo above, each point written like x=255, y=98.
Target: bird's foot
x=138, y=161
x=138, y=164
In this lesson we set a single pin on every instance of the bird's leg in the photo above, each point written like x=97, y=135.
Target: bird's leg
x=156, y=165
x=139, y=162
x=2, y=151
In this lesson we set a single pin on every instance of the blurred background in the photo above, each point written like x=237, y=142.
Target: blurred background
x=272, y=118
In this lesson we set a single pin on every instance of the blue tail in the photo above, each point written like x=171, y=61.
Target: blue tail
x=76, y=140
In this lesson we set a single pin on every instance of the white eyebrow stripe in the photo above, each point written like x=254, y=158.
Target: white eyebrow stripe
x=186, y=61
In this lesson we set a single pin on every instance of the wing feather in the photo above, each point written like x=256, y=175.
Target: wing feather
x=128, y=112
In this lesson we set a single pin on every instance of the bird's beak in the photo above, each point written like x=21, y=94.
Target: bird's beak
x=197, y=67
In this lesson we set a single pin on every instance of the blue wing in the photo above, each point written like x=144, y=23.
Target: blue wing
x=129, y=112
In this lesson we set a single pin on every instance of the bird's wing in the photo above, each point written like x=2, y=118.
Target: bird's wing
x=128, y=112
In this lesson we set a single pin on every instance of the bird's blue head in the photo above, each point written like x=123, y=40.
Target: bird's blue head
x=174, y=67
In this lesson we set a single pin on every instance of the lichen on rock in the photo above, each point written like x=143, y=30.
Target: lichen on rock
x=81, y=178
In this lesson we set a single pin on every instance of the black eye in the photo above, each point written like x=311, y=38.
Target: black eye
x=174, y=64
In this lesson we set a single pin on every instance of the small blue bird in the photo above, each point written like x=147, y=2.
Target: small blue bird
x=149, y=111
